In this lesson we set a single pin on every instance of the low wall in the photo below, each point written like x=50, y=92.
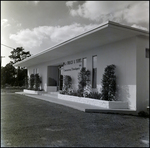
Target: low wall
x=31, y=92
x=95, y=102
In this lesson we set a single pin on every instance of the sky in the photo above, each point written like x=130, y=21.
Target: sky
x=38, y=25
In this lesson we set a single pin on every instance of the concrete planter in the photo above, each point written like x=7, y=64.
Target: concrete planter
x=95, y=102
x=118, y=105
x=32, y=92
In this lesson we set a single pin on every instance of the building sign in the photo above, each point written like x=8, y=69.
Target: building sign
x=72, y=65
x=73, y=62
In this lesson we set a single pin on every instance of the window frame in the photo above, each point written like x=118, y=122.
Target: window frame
x=94, y=75
x=84, y=63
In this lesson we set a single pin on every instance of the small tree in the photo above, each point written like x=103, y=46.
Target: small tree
x=67, y=80
x=109, y=83
x=17, y=55
x=83, y=78
x=37, y=81
x=31, y=81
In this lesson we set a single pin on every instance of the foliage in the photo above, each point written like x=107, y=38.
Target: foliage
x=143, y=114
x=73, y=93
x=62, y=92
x=26, y=82
x=87, y=89
x=34, y=82
x=94, y=95
x=12, y=76
x=109, y=83
x=21, y=76
x=8, y=75
x=83, y=79
x=19, y=54
x=31, y=81
x=37, y=81
x=67, y=80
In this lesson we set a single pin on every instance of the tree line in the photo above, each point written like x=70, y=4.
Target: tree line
x=15, y=76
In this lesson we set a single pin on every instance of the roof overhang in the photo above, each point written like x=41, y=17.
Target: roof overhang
x=106, y=33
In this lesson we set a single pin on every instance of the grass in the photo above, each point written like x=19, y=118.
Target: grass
x=29, y=122
x=11, y=89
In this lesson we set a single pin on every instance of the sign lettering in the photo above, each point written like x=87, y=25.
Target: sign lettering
x=76, y=63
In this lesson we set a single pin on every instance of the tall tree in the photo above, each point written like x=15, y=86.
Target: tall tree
x=19, y=54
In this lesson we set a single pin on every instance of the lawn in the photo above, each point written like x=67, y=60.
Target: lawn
x=31, y=122
x=11, y=89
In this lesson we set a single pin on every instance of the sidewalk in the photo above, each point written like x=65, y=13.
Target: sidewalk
x=78, y=106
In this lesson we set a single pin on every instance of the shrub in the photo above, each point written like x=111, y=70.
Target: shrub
x=67, y=84
x=34, y=82
x=37, y=81
x=87, y=89
x=109, y=83
x=143, y=114
x=26, y=82
x=61, y=92
x=67, y=81
x=73, y=93
x=94, y=95
x=83, y=79
x=31, y=81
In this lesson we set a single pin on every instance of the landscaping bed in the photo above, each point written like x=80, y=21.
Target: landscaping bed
x=95, y=102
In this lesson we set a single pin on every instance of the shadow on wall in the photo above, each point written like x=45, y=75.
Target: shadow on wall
x=122, y=93
x=52, y=82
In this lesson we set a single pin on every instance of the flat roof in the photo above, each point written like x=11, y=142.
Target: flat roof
x=105, y=33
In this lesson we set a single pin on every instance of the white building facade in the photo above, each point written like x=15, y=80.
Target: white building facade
x=110, y=43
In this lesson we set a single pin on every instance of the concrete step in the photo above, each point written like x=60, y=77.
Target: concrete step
x=51, y=94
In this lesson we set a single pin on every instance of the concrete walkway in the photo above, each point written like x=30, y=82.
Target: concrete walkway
x=78, y=106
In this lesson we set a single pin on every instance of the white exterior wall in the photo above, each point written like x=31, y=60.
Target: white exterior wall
x=142, y=74
x=121, y=53
x=42, y=72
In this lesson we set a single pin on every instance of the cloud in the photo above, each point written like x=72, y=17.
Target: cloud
x=119, y=11
x=70, y=3
x=55, y=34
x=138, y=13
x=31, y=2
x=4, y=23
x=28, y=38
x=94, y=9
x=19, y=25
x=67, y=32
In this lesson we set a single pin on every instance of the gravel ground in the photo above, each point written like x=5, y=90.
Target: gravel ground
x=29, y=122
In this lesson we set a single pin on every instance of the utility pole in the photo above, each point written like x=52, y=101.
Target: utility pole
x=1, y=59
x=4, y=56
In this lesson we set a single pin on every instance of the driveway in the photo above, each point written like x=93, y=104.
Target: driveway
x=30, y=122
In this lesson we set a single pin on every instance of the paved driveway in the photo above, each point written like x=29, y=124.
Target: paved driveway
x=31, y=122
